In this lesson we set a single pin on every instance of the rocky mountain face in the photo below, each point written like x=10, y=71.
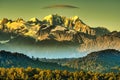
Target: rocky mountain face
x=58, y=30
x=70, y=23
x=8, y=60
x=100, y=61
x=108, y=41
x=54, y=27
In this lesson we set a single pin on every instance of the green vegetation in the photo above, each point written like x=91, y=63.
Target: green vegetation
x=39, y=74
x=8, y=60
x=100, y=61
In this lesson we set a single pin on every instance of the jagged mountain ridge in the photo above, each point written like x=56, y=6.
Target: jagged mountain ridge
x=87, y=45
x=53, y=26
x=55, y=30
x=108, y=41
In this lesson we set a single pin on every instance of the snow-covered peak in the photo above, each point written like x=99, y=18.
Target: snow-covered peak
x=33, y=19
x=75, y=18
x=48, y=17
x=53, y=19
x=0, y=21
x=59, y=28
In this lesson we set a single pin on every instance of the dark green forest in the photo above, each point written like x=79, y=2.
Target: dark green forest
x=101, y=65
x=8, y=60
x=101, y=61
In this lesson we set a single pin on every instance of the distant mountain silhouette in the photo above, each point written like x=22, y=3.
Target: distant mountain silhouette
x=8, y=60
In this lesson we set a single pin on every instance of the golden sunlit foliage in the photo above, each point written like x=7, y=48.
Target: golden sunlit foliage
x=39, y=74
